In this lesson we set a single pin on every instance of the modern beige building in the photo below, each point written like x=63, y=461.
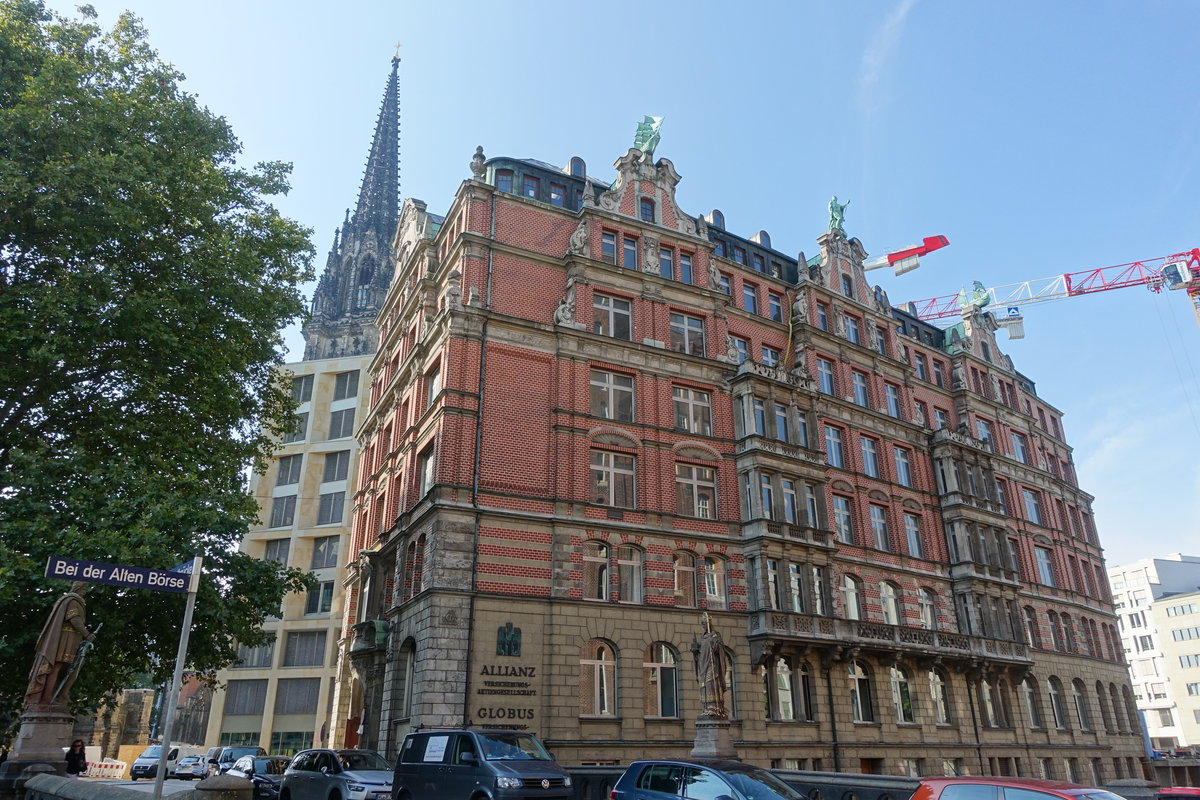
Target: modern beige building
x=281, y=695
x=1177, y=618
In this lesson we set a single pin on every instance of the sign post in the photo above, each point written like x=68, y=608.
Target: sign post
x=177, y=679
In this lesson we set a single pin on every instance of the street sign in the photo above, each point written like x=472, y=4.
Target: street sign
x=72, y=569
x=1014, y=311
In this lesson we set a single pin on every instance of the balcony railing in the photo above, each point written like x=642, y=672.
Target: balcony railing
x=370, y=634
x=776, y=447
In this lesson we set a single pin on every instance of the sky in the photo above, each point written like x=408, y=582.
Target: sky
x=1040, y=138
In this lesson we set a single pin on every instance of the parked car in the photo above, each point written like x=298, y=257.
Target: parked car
x=191, y=767
x=659, y=780
x=1178, y=793
x=146, y=765
x=468, y=764
x=337, y=775
x=991, y=788
x=265, y=772
x=229, y=755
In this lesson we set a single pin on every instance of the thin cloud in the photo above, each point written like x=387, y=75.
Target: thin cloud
x=879, y=51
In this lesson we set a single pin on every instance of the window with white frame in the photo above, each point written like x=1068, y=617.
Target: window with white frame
x=598, y=681
x=903, y=468
x=1045, y=566
x=842, y=519
x=612, y=395
x=696, y=491
x=833, y=447
x=852, y=597
x=781, y=422
x=927, y=605
x=687, y=334
x=853, y=329
x=859, y=383
x=595, y=571
x=1020, y=450
x=902, y=703
x=788, y=490
x=892, y=395
x=870, y=457
x=629, y=574
x=612, y=317
x=693, y=410
x=889, y=602
x=825, y=380
x=662, y=685
x=612, y=479
x=862, y=704
x=685, y=579
x=912, y=535
x=714, y=582
x=1033, y=507
x=879, y=527
x=770, y=356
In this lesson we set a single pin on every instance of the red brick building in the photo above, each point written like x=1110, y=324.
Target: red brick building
x=594, y=416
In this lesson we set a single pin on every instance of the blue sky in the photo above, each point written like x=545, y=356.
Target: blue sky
x=1041, y=138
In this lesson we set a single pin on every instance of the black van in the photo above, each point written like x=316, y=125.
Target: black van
x=465, y=763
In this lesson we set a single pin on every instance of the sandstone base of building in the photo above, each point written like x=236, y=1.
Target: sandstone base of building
x=713, y=739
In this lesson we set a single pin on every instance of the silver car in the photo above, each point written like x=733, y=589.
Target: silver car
x=337, y=775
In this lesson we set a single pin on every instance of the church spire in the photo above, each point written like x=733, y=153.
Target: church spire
x=358, y=268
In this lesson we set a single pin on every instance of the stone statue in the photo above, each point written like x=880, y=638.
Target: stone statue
x=650, y=256
x=477, y=166
x=959, y=381
x=800, y=306
x=978, y=298
x=647, y=136
x=712, y=663
x=565, y=313
x=837, y=215
x=58, y=647
x=579, y=240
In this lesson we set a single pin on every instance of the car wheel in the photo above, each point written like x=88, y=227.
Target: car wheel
x=334, y=796
x=133, y=777
x=284, y=794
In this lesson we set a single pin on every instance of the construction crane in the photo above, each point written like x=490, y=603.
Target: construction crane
x=1176, y=271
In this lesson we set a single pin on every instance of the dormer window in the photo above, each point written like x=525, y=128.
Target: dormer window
x=646, y=209
x=531, y=187
x=504, y=180
x=717, y=218
x=578, y=168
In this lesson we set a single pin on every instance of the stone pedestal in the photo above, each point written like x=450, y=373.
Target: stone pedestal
x=713, y=739
x=45, y=731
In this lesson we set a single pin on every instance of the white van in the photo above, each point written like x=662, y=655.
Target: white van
x=146, y=765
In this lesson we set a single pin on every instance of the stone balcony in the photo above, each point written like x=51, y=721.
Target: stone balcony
x=370, y=635
x=901, y=640
x=761, y=444
x=800, y=534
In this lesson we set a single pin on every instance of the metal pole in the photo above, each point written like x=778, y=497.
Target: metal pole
x=173, y=692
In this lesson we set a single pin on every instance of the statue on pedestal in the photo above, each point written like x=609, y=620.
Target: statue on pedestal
x=712, y=663
x=837, y=214
x=62, y=639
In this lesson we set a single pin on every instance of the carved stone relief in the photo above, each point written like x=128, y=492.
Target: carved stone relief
x=579, y=240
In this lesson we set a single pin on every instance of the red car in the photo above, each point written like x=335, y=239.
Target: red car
x=1179, y=793
x=993, y=788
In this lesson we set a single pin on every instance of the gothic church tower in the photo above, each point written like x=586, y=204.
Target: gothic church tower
x=359, y=267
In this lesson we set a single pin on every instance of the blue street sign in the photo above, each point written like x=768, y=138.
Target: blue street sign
x=184, y=568
x=72, y=569
x=1014, y=311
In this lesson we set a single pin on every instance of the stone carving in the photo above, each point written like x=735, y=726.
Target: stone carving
x=840, y=322
x=800, y=306
x=650, y=256
x=508, y=640
x=454, y=290
x=565, y=313
x=714, y=276
x=64, y=639
x=731, y=350
x=712, y=664
x=702, y=227
x=579, y=239
x=959, y=380
x=477, y=166
x=473, y=298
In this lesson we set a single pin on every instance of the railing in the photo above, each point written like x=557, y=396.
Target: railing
x=370, y=634
x=776, y=447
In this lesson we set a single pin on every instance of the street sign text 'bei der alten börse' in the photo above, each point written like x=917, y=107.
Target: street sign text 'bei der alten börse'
x=117, y=574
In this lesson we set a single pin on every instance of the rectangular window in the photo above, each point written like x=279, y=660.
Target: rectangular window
x=298, y=430
x=984, y=429
x=277, y=550
x=922, y=367
x=842, y=520
x=750, y=298
x=822, y=316
x=912, y=534
x=612, y=317
x=770, y=356
x=685, y=268
x=696, y=491
x=426, y=471
x=766, y=495
x=892, y=394
x=320, y=600
x=341, y=423
x=1044, y=566
x=531, y=186
x=880, y=341
x=1018, y=448
x=859, y=380
x=825, y=376
x=742, y=347
x=331, y=508
x=939, y=373
x=325, y=552
x=693, y=410
x=903, y=470
x=612, y=395
x=847, y=286
x=302, y=388
x=504, y=180
x=666, y=262
x=870, y=457
x=558, y=195
x=345, y=385
x=288, y=471
x=789, y=501
x=304, y=649
x=757, y=263
x=833, y=447
x=774, y=307
x=608, y=247
x=283, y=511
x=760, y=417
x=739, y=254
x=853, y=332
x=781, y=422
x=245, y=697
x=297, y=695
x=612, y=479
x=941, y=419
x=879, y=529
x=261, y=657
x=1033, y=506
x=337, y=466
x=687, y=334
x=724, y=285
x=433, y=385
x=629, y=252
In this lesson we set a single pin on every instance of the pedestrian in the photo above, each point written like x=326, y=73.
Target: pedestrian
x=76, y=759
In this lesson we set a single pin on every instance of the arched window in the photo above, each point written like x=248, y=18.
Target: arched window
x=787, y=691
x=939, y=695
x=902, y=702
x=629, y=574
x=1033, y=702
x=662, y=681
x=685, y=580
x=646, y=209
x=1058, y=703
x=597, y=680
x=888, y=599
x=1118, y=717
x=851, y=597
x=1130, y=708
x=928, y=602
x=1068, y=623
x=1033, y=636
x=1079, y=696
x=578, y=167
x=1105, y=715
x=1056, y=630
x=862, y=704
x=715, y=590
x=730, y=686
x=717, y=218
x=595, y=571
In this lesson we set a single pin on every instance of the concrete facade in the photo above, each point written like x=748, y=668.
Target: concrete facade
x=593, y=417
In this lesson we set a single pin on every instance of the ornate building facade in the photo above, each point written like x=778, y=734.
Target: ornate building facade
x=594, y=416
x=281, y=696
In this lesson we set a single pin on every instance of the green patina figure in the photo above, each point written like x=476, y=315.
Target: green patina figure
x=647, y=136
x=978, y=298
x=837, y=214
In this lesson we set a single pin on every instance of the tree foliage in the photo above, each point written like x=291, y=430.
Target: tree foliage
x=144, y=285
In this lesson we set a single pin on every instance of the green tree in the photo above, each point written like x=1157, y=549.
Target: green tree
x=144, y=286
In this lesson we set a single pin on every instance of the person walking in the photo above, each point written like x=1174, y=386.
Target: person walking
x=76, y=759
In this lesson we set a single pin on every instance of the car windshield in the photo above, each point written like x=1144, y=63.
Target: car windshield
x=151, y=752
x=356, y=760
x=762, y=785
x=512, y=747
x=270, y=766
